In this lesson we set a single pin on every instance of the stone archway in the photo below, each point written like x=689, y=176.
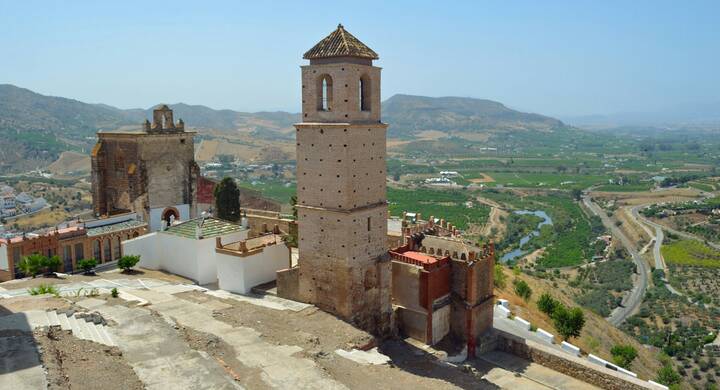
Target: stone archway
x=170, y=214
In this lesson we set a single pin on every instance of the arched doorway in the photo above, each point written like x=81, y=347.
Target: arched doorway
x=170, y=214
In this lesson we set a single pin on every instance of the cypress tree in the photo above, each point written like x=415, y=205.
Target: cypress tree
x=227, y=200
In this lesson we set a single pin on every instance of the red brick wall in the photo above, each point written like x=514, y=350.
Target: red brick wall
x=205, y=189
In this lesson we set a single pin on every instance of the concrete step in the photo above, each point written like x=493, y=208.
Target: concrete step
x=95, y=334
x=107, y=340
x=76, y=328
x=37, y=318
x=86, y=331
x=64, y=322
x=53, y=319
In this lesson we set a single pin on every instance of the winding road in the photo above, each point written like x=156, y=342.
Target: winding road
x=660, y=227
x=632, y=301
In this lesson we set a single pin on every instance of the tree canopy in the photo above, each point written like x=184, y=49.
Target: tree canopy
x=227, y=200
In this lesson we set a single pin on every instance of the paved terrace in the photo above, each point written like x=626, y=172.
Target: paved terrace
x=271, y=343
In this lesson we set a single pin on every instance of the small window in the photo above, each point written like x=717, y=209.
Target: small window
x=324, y=93
x=364, y=93
x=368, y=224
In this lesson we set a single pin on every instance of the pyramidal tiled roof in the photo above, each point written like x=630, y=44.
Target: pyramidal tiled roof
x=340, y=43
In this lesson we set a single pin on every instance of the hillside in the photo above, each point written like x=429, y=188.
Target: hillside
x=36, y=128
x=597, y=336
x=410, y=115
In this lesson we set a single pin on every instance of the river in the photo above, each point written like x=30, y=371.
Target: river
x=520, y=251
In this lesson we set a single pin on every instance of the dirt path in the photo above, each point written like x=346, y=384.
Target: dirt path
x=495, y=228
x=72, y=363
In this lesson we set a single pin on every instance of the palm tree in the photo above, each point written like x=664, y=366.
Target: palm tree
x=31, y=265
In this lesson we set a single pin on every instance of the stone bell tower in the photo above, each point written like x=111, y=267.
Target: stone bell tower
x=342, y=204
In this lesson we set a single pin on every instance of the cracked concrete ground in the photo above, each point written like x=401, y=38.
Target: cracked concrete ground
x=183, y=336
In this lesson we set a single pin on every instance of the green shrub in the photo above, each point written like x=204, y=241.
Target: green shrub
x=623, y=355
x=127, y=262
x=87, y=265
x=51, y=264
x=44, y=289
x=547, y=304
x=499, y=277
x=522, y=289
x=568, y=322
x=114, y=292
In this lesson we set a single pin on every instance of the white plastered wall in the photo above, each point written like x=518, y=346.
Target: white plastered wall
x=240, y=274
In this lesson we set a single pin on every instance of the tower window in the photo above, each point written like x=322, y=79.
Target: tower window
x=364, y=93
x=324, y=93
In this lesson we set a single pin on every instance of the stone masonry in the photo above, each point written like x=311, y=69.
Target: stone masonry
x=135, y=171
x=344, y=267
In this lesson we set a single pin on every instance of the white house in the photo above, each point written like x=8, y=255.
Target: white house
x=209, y=250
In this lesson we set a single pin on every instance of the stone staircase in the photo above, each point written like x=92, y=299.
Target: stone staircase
x=80, y=327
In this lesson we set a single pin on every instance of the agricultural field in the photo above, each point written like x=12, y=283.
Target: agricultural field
x=691, y=253
x=275, y=189
x=456, y=206
x=699, y=283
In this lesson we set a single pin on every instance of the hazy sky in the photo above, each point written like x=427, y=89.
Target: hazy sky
x=557, y=58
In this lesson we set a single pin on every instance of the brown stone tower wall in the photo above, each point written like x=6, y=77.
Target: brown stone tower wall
x=342, y=204
x=168, y=161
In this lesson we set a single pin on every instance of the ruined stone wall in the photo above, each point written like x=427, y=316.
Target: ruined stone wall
x=118, y=182
x=168, y=162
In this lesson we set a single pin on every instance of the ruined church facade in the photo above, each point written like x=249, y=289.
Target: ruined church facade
x=343, y=267
x=150, y=171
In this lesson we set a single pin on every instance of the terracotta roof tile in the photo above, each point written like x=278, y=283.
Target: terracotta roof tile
x=340, y=43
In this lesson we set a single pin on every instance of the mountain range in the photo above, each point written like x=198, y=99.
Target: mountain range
x=37, y=128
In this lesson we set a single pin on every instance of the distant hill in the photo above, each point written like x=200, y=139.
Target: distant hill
x=409, y=115
x=36, y=128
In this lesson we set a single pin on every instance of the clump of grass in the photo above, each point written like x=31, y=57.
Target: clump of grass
x=44, y=289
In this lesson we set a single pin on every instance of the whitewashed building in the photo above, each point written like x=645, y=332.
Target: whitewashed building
x=209, y=250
